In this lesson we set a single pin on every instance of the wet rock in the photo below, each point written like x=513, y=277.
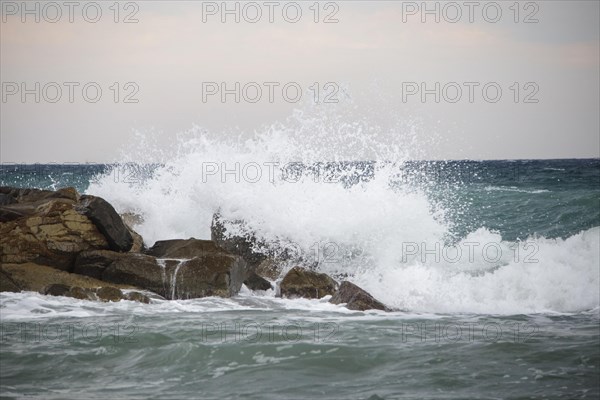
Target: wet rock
x=138, y=245
x=6, y=199
x=270, y=268
x=356, y=298
x=93, y=262
x=300, y=282
x=256, y=282
x=80, y=293
x=7, y=284
x=137, y=296
x=56, y=289
x=138, y=270
x=182, y=248
x=37, y=278
x=215, y=274
x=45, y=227
x=109, y=293
x=109, y=223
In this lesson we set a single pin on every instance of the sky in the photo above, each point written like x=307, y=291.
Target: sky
x=479, y=80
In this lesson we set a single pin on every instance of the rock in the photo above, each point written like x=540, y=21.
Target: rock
x=356, y=298
x=109, y=293
x=242, y=246
x=183, y=249
x=56, y=289
x=255, y=282
x=213, y=274
x=6, y=199
x=138, y=270
x=300, y=282
x=269, y=268
x=48, y=231
x=138, y=242
x=104, y=216
x=37, y=278
x=93, y=262
x=7, y=284
x=137, y=296
x=80, y=293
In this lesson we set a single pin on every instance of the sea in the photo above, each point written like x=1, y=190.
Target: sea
x=491, y=269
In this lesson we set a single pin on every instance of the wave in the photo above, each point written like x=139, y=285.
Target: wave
x=392, y=238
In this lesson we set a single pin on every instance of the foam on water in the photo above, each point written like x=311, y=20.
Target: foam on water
x=361, y=230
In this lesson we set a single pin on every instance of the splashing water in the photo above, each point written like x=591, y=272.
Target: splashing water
x=285, y=182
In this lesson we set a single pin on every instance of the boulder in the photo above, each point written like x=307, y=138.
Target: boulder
x=270, y=268
x=138, y=270
x=300, y=282
x=109, y=223
x=256, y=282
x=182, y=249
x=356, y=298
x=38, y=278
x=242, y=246
x=7, y=284
x=105, y=293
x=56, y=289
x=93, y=262
x=138, y=245
x=48, y=231
x=137, y=296
x=213, y=274
x=109, y=293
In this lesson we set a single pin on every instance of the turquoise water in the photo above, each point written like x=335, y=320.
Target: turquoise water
x=481, y=328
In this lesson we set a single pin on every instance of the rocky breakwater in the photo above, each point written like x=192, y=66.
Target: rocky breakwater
x=58, y=242
x=65, y=244
x=300, y=281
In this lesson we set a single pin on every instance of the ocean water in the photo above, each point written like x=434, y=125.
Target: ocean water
x=492, y=267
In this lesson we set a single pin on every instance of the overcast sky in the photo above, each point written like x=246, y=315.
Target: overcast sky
x=379, y=54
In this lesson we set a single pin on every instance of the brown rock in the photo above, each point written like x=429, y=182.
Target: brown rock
x=256, y=282
x=109, y=293
x=138, y=270
x=183, y=249
x=7, y=284
x=356, y=298
x=213, y=274
x=137, y=296
x=269, y=268
x=300, y=282
x=44, y=227
x=93, y=262
x=108, y=222
x=36, y=278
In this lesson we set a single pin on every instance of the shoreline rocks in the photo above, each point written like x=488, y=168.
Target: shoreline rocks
x=356, y=298
x=308, y=284
x=66, y=244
